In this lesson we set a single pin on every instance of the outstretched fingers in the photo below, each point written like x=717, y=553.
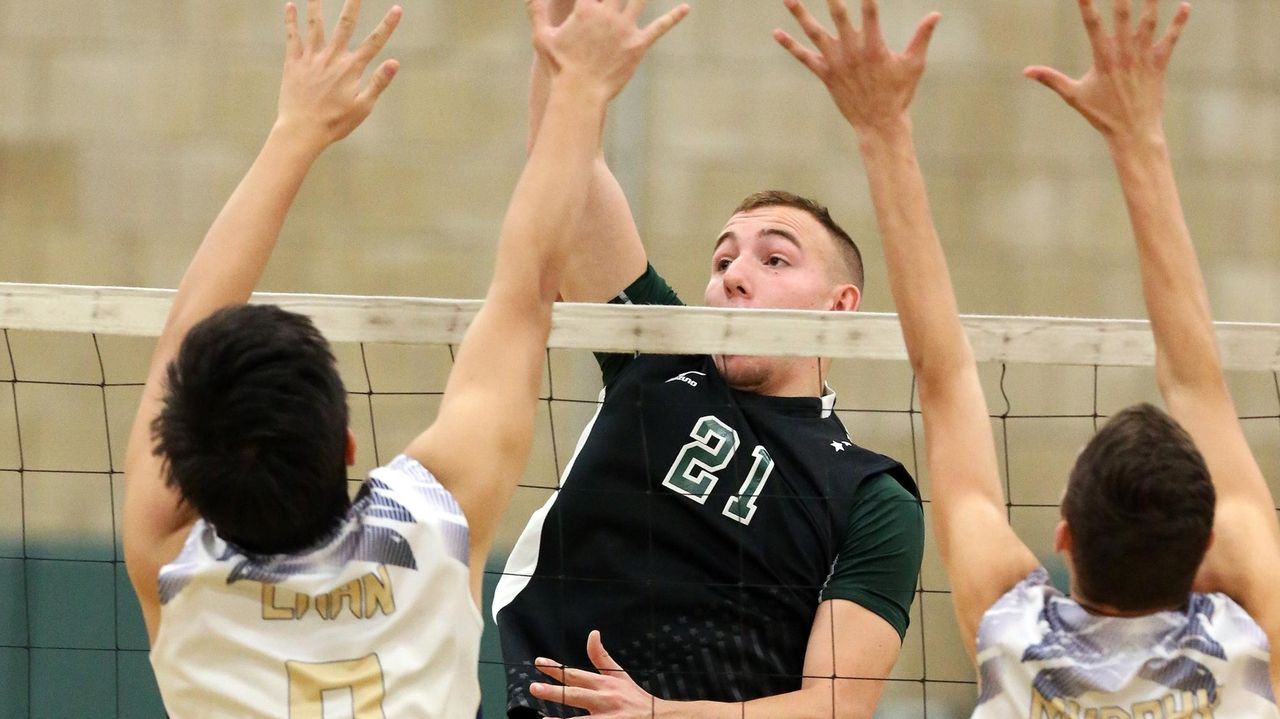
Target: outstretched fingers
x=1052, y=79
x=566, y=675
x=871, y=22
x=346, y=26
x=292, y=41
x=840, y=16
x=807, y=57
x=377, y=39
x=600, y=657
x=1097, y=34
x=315, y=26
x=812, y=28
x=919, y=45
x=1164, y=48
x=378, y=82
x=661, y=26
x=1123, y=10
x=1147, y=24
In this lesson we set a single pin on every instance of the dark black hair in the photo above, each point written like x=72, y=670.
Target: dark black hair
x=253, y=428
x=1140, y=506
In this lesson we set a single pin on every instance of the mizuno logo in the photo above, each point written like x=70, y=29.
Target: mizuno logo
x=684, y=377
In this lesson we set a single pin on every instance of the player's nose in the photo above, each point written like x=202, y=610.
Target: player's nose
x=737, y=279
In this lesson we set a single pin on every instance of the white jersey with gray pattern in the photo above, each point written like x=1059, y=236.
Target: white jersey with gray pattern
x=376, y=621
x=1043, y=656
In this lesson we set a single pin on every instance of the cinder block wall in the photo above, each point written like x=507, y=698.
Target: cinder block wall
x=124, y=126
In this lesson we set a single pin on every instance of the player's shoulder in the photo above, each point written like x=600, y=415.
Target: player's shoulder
x=882, y=475
x=887, y=494
x=405, y=479
x=1021, y=614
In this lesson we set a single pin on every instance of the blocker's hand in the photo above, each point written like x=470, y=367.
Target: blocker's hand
x=871, y=84
x=599, y=44
x=611, y=694
x=321, y=95
x=1122, y=95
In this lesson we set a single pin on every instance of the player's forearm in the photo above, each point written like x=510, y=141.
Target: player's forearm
x=943, y=362
x=234, y=253
x=1177, y=303
x=605, y=252
x=552, y=191
x=540, y=75
x=918, y=277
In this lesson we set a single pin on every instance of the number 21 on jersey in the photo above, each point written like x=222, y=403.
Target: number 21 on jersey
x=694, y=471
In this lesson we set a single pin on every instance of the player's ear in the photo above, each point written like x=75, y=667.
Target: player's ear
x=845, y=298
x=351, y=448
x=1062, y=537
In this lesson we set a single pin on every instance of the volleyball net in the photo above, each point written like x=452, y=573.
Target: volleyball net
x=73, y=359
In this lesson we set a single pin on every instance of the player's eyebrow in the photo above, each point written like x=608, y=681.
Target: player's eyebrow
x=766, y=232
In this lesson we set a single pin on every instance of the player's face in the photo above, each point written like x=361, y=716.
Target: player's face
x=773, y=258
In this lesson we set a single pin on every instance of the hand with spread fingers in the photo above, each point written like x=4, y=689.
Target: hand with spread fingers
x=1122, y=95
x=611, y=694
x=871, y=84
x=321, y=94
x=599, y=44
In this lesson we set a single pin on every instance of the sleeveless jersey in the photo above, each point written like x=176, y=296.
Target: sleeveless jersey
x=378, y=621
x=695, y=527
x=1042, y=656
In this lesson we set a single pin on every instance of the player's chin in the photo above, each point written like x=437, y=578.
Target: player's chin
x=744, y=372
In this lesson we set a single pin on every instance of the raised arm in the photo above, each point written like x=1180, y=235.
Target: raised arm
x=873, y=87
x=1122, y=96
x=479, y=443
x=322, y=99
x=606, y=253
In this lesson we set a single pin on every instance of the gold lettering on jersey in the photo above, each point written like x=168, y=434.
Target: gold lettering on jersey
x=377, y=593
x=309, y=681
x=348, y=593
x=289, y=605
x=364, y=597
x=1176, y=705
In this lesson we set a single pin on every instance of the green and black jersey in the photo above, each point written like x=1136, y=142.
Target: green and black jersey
x=698, y=528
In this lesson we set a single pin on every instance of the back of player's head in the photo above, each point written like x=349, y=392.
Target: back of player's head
x=847, y=252
x=1140, y=508
x=253, y=430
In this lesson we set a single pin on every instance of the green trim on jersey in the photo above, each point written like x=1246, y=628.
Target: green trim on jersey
x=649, y=289
x=879, y=562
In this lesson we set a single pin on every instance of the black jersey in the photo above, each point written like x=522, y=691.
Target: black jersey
x=695, y=527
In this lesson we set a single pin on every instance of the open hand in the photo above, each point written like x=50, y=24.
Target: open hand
x=871, y=84
x=321, y=94
x=599, y=43
x=1122, y=95
x=611, y=694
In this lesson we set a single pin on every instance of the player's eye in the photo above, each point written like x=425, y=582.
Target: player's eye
x=776, y=261
x=722, y=264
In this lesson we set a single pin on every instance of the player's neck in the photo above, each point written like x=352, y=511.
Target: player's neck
x=1106, y=610
x=786, y=377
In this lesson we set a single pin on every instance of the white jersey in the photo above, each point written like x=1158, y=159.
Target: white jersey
x=376, y=622
x=1042, y=656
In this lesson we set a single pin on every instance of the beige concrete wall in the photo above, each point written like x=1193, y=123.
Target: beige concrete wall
x=125, y=125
